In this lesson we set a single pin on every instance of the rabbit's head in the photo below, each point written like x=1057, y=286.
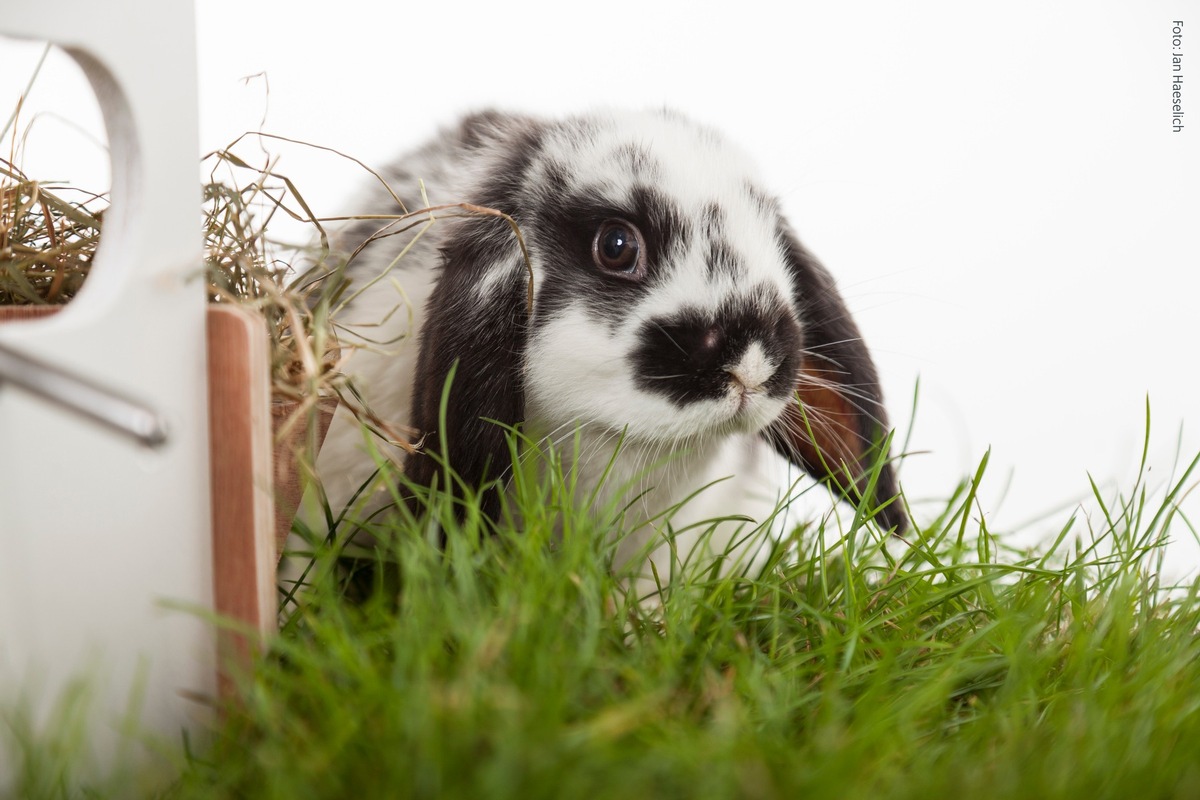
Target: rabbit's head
x=672, y=305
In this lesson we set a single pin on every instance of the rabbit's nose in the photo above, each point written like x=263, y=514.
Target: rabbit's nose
x=752, y=370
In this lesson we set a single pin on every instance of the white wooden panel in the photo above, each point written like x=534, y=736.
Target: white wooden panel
x=98, y=535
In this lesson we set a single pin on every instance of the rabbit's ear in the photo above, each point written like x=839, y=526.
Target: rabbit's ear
x=475, y=329
x=476, y=321
x=839, y=425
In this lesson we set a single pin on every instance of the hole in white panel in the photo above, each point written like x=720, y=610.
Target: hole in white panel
x=55, y=174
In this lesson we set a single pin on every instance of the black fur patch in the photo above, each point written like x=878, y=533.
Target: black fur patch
x=562, y=230
x=664, y=223
x=721, y=258
x=484, y=337
x=685, y=356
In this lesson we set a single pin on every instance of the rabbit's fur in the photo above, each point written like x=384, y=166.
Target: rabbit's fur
x=674, y=311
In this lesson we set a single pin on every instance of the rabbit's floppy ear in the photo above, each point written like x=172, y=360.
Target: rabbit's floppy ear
x=480, y=337
x=838, y=427
x=476, y=328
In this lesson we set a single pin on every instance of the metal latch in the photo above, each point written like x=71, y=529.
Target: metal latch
x=82, y=397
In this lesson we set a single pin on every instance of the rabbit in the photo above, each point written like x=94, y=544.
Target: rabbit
x=675, y=321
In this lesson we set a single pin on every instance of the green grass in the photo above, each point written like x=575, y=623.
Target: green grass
x=515, y=666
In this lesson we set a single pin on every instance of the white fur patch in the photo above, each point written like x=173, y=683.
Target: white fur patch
x=577, y=371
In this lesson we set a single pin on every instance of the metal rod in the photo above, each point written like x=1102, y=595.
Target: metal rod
x=82, y=397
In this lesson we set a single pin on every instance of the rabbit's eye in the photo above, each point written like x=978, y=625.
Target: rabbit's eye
x=618, y=248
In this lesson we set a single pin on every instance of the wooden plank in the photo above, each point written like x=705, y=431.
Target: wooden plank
x=243, y=507
x=296, y=439
x=16, y=313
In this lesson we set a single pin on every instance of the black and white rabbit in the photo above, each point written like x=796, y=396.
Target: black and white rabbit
x=674, y=311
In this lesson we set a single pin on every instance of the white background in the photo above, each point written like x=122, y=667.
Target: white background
x=997, y=187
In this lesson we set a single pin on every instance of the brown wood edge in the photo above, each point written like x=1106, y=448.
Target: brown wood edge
x=18, y=313
x=243, y=505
